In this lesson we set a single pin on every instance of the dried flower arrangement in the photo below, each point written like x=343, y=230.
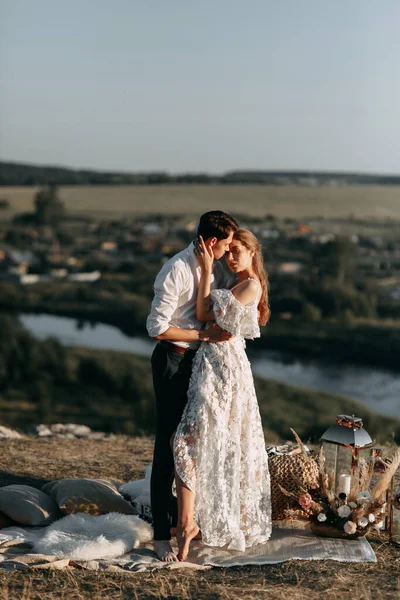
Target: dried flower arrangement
x=347, y=515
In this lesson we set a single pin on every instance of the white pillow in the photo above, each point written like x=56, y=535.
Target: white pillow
x=133, y=489
x=143, y=499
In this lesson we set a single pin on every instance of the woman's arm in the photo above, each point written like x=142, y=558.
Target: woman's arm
x=205, y=258
x=204, y=310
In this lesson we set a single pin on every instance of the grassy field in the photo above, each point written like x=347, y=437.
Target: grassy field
x=375, y=202
x=34, y=461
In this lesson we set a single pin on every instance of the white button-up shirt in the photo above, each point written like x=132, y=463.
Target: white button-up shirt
x=175, y=294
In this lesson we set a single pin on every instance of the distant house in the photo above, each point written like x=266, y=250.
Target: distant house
x=303, y=229
x=109, y=246
x=269, y=233
x=59, y=273
x=23, y=256
x=82, y=277
x=289, y=268
x=307, y=181
x=152, y=229
x=324, y=238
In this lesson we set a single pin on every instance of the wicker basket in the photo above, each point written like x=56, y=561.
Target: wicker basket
x=283, y=468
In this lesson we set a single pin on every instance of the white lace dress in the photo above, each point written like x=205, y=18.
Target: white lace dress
x=219, y=447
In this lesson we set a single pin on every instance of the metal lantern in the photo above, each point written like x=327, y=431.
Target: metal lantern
x=343, y=444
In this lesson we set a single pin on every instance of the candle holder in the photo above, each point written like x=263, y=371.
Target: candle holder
x=343, y=445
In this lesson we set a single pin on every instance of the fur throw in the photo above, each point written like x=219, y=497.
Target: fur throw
x=87, y=537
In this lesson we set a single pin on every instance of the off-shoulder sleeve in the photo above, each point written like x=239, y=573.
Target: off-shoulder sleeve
x=233, y=316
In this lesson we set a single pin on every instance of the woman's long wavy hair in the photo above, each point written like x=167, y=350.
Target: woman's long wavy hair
x=249, y=240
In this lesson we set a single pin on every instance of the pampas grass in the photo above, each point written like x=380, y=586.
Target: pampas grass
x=383, y=483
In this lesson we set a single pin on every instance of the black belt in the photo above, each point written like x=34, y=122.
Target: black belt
x=177, y=349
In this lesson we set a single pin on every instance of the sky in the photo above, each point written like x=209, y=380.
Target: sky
x=217, y=85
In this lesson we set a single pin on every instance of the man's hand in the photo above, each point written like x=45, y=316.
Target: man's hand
x=205, y=256
x=215, y=334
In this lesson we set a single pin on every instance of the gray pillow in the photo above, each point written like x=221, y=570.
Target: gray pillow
x=92, y=496
x=5, y=521
x=27, y=505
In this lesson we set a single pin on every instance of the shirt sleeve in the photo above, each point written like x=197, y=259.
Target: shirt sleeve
x=168, y=286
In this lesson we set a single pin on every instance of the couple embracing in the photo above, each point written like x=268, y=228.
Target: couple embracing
x=209, y=436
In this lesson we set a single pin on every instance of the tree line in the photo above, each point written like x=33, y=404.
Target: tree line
x=21, y=174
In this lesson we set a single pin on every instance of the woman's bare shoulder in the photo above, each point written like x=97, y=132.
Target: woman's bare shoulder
x=246, y=291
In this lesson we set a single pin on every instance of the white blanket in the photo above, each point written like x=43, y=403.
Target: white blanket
x=122, y=542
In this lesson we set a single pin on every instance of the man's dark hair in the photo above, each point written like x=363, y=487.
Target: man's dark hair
x=216, y=224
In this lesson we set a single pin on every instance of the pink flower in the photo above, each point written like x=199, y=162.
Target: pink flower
x=305, y=501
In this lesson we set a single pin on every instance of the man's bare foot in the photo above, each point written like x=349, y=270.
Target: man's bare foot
x=184, y=536
x=164, y=551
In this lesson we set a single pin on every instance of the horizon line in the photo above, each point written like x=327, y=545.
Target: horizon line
x=310, y=171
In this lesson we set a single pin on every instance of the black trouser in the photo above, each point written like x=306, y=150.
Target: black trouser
x=171, y=374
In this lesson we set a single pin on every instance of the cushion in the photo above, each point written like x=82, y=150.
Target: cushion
x=92, y=496
x=143, y=499
x=5, y=521
x=27, y=505
x=133, y=489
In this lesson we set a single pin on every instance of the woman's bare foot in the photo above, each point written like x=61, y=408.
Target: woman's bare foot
x=184, y=536
x=164, y=551
x=174, y=531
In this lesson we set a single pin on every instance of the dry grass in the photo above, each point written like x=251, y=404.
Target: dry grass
x=275, y=582
x=380, y=202
x=121, y=458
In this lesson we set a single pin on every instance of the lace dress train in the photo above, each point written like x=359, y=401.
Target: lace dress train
x=219, y=446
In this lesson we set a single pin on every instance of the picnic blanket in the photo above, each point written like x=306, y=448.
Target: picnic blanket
x=290, y=540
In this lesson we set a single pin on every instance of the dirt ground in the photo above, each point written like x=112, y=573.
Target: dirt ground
x=34, y=461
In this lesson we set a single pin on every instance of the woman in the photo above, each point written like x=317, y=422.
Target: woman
x=221, y=465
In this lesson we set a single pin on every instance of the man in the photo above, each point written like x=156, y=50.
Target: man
x=172, y=320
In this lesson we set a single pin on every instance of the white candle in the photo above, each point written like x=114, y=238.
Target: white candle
x=344, y=484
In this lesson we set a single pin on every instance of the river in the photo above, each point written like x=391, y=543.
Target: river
x=378, y=388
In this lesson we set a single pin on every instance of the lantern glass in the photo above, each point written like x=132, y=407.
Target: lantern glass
x=338, y=459
x=343, y=445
